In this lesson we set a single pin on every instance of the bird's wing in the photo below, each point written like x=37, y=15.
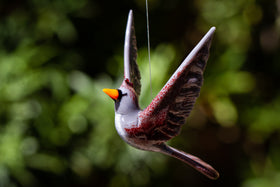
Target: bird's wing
x=131, y=71
x=173, y=104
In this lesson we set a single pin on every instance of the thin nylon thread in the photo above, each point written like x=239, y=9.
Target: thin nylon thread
x=149, y=50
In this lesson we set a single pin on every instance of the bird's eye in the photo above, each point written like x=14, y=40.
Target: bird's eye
x=121, y=94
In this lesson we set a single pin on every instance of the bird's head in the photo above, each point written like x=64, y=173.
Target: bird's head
x=126, y=99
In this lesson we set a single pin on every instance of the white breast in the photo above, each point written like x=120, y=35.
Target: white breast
x=123, y=122
x=119, y=121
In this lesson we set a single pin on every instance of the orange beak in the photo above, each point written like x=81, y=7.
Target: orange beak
x=113, y=93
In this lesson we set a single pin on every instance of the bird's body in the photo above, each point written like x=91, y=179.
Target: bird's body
x=150, y=128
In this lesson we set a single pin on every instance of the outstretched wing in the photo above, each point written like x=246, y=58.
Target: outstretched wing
x=173, y=104
x=131, y=71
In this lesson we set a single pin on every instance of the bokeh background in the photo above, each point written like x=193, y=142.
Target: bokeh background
x=57, y=126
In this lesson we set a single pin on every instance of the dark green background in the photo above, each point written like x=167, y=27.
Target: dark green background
x=57, y=126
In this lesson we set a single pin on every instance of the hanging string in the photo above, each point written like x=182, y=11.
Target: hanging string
x=149, y=50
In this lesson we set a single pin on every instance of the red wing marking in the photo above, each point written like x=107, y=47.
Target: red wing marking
x=173, y=104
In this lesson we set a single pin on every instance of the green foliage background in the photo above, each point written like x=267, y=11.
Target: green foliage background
x=57, y=127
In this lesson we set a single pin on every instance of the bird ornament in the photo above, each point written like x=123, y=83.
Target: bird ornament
x=150, y=128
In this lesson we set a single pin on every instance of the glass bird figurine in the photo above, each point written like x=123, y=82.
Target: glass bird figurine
x=150, y=128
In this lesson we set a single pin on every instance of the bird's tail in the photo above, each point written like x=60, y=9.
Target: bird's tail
x=191, y=160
